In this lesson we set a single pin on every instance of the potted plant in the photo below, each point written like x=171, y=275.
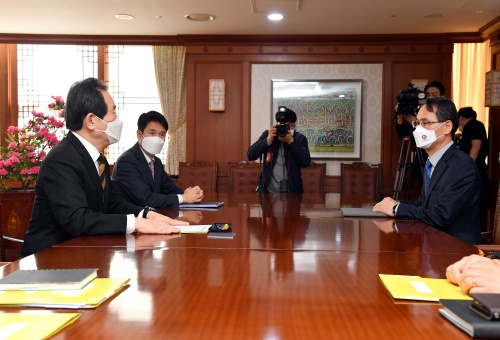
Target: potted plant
x=27, y=146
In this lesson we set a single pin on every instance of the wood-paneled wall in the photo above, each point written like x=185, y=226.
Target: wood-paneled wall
x=225, y=136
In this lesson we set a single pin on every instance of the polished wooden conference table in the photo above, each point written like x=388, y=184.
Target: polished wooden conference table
x=295, y=270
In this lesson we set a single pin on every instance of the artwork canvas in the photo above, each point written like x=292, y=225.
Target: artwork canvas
x=329, y=114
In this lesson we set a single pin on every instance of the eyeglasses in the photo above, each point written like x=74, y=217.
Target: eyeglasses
x=416, y=123
x=432, y=94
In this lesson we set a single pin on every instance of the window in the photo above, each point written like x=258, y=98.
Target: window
x=50, y=70
x=132, y=84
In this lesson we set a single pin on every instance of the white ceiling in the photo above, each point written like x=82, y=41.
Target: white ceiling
x=247, y=17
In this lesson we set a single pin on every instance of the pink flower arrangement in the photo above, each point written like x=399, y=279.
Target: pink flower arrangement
x=28, y=145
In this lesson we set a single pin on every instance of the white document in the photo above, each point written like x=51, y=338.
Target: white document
x=194, y=229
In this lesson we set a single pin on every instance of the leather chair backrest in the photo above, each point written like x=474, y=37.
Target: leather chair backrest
x=313, y=178
x=360, y=180
x=202, y=174
x=244, y=176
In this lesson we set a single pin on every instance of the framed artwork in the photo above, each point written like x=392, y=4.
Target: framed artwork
x=329, y=114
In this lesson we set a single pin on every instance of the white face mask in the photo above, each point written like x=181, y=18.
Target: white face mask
x=424, y=138
x=152, y=144
x=113, y=130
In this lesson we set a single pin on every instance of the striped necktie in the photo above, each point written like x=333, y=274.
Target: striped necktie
x=152, y=167
x=427, y=175
x=102, y=167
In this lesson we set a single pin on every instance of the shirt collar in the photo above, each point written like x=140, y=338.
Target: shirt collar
x=92, y=150
x=437, y=156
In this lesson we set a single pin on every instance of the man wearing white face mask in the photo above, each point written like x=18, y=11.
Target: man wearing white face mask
x=450, y=195
x=140, y=175
x=74, y=189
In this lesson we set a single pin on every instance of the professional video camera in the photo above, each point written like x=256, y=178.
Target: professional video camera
x=282, y=128
x=409, y=100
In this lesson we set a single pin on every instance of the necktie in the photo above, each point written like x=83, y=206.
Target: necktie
x=152, y=167
x=427, y=175
x=102, y=167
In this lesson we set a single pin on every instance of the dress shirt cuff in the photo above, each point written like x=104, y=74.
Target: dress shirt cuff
x=130, y=243
x=131, y=223
x=395, y=210
x=180, y=198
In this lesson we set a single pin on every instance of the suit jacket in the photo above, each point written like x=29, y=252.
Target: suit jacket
x=70, y=200
x=452, y=201
x=135, y=182
x=296, y=156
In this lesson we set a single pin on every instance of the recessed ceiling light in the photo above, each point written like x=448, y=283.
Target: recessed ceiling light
x=124, y=16
x=275, y=16
x=434, y=16
x=200, y=17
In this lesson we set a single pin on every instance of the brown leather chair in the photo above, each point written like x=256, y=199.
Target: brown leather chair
x=313, y=178
x=360, y=180
x=244, y=176
x=202, y=174
x=491, y=239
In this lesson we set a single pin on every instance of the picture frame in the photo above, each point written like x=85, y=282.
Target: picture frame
x=329, y=114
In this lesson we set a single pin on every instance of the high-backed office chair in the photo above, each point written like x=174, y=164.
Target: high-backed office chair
x=202, y=174
x=244, y=176
x=492, y=238
x=313, y=178
x=360, y=180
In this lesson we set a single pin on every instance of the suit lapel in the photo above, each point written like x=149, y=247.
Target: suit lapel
x=91, y=168
x=143, y=164
x=440, y=168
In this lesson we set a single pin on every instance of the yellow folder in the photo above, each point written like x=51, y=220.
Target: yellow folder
x=90, y=296
x=21, y=326
x=418, y=288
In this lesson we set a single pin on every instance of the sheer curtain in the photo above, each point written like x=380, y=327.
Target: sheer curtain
x=170, y=78
x=470, y=63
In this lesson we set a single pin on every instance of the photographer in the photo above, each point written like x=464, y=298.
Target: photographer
x=285, y=151
x=406, y=114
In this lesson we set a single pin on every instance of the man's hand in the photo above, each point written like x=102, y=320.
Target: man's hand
x=192, y=195
x=271, y=134
x=157, y=224
x=475, y=274
x=385, y=206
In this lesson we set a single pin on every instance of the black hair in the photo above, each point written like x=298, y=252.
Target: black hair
x=84, y=97
x=290, y=116
x=151, y=116
x=445, y=110
x=467, y=112
x=436, y=84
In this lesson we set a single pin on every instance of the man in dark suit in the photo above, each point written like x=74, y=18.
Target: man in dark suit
x=140, y=175
x=450, y=199
x=74, y=189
